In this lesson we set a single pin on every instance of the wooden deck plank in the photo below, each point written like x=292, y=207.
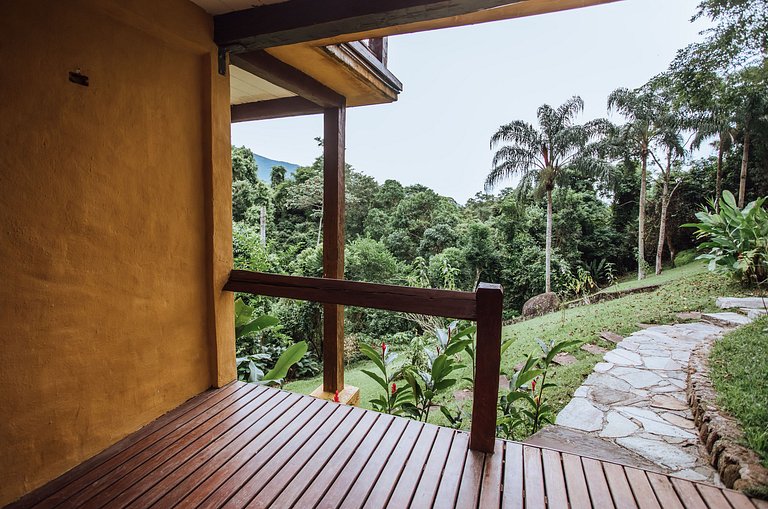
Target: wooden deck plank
x=713, y=497
x=490, y=487
x=738, y=500
x=185, y=479
x=256, y=455
x=248, y=446
x=664, y=491
x=387, y=480
x=641, y=488
x=469, y=490
x=535, y=496
x=346, y=486
x=353, y=430
x=619, y=486
x=554, y=479
x=345, y=465
x=153, y=472
x=77, y=483
x=194, y=492
x=448, y=489
x=412, y=472
x=427, y=487
x=688, y=494
x=175, y=449
x=143, y=433
x=576, y=484
x=289, y=461
x=512, y=497
x=598, y=486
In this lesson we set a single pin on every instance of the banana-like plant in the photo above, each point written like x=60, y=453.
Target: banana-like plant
x=248, y=366
x=736, y=240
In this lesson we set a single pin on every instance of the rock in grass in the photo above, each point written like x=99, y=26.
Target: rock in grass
x=541, y=304
x=611, y=336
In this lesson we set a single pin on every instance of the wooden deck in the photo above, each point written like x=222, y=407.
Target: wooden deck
x=251, y=446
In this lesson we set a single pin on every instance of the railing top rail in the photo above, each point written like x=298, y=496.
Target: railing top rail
x=424, y=301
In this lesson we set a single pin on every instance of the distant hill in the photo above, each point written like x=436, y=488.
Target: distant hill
x=265, y=165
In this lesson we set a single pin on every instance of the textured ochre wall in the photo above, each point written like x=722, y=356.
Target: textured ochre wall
x=115, y=226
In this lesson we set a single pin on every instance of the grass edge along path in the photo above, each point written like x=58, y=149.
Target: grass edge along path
x=688, y=288
x=739, y=370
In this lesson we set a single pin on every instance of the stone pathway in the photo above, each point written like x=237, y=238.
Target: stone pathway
x=636, y=398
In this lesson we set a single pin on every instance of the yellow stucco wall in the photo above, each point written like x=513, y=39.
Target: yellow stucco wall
x=115, y=220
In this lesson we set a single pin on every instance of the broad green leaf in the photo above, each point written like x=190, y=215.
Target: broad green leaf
x=257, y=324
x=288, y=358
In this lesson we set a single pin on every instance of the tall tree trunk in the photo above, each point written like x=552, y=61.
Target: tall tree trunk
x=719, y=177
x=670, y=246
x=744, y=164
x=662, y=221
x=641, y=220
x=548, y=254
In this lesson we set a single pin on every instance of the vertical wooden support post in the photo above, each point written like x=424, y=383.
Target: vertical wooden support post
x=488, y=362
x=333, y=245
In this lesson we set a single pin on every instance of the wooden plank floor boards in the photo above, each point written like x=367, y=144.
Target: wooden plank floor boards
x=250, y=446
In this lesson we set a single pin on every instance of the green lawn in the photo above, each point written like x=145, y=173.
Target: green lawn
x=739, y=367
x=666, y=276
x=688, y=288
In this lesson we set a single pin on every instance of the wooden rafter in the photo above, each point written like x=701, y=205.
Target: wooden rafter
x=274, y=108
x=260, y=63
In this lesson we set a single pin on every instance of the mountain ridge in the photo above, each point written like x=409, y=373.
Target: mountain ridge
x=265, y=165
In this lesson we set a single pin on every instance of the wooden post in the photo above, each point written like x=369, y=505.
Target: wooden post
x=333, y=245
x=488, y=362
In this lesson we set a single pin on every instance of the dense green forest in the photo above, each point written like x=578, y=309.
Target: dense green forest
x=610, y=196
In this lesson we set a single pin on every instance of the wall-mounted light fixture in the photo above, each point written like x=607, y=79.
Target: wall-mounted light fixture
x=78, y=78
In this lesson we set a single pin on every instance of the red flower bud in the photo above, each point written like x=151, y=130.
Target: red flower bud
x=383, y=349
x=394, y=388
x=336, y=397
x=533, y=385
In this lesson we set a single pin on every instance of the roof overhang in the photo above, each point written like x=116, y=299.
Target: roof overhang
x=333, y=21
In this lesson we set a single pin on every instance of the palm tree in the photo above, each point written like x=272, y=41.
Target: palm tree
x=539, y=156
x=671, y=143
x=645, y=123
x=717, y=122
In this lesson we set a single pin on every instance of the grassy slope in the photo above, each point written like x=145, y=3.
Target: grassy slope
x=739, y=366
x=688, y=288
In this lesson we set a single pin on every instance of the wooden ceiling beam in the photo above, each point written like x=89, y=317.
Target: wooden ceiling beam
x=264, y=65
x=296, y=21
x=274, y=108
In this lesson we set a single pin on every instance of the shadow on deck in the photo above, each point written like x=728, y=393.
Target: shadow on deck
x=250, y=446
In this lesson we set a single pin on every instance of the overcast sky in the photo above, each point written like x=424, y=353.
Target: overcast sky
x=461, y=84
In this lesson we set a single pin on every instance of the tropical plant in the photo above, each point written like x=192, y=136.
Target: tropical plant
x=250, y=365
x=582, y=284
x=602, y=271
x=736, y=239
x=524, y=408
x=539, y=156
x=391, y=402
x=428, y=384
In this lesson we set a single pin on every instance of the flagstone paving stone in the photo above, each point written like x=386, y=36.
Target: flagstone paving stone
x=636, y=398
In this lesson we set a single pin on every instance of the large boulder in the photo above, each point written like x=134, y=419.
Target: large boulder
x=541, y=304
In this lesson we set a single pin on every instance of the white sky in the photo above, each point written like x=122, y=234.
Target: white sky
x=461, y=84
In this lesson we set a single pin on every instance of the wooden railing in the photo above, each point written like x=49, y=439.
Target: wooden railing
x=483, y=306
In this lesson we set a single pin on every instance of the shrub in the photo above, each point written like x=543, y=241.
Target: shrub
x=737, y=239
x=685, y=257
